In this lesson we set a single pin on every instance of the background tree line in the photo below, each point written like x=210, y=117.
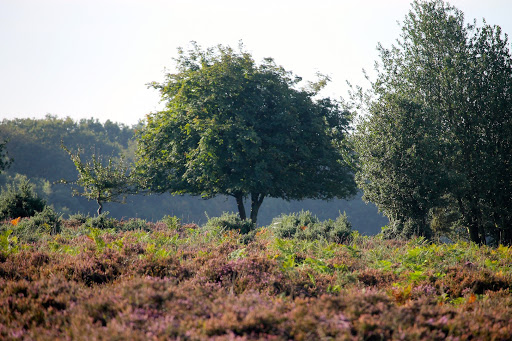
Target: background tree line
x=34, y=145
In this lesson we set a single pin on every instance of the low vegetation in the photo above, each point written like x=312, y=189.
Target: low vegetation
x=101, y=278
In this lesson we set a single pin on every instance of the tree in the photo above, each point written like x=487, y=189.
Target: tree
x=232, y=127
x=439, y=125
x=101, y=181
x=20, y=200
x=397, y=150
x=5, y=162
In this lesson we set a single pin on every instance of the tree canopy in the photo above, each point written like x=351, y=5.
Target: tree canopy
x=435, y=144
x=242, y=129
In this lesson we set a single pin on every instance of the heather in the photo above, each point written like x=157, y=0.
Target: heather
x=101, y=278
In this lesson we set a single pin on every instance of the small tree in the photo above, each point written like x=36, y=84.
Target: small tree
x=20, y=200
x=232, y=127
x=101, y=181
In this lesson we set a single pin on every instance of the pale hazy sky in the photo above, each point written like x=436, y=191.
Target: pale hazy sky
x=93, y=58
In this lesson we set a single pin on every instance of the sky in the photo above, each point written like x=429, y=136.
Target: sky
x=93, y=58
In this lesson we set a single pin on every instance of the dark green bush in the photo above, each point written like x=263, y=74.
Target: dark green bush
x=78, y=219
x=19, y=200
x=288, y=225
x=42, y=223
x=102, y=222
x=306, y=226
x=230, y=221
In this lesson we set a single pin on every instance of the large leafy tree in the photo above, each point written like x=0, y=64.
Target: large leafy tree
x=233, y=127
x=437, y=135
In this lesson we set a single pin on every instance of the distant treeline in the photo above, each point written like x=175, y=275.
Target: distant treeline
x=35, y=147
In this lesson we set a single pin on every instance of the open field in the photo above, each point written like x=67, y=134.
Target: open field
x=145, y=281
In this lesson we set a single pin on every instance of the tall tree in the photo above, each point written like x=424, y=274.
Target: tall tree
x=442, y=99
x=232, y=127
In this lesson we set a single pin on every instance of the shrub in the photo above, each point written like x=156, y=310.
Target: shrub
x=339, y=230
x=288, y=225
x=134, y=225
x=306, y=226
x=20, y=200
x=172, y=222
x=77, y=219
x=230, y=221
x=45, y=222
x=102, y=221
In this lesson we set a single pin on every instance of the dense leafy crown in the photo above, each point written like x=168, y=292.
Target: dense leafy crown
x=231, y=126
x=437, y=138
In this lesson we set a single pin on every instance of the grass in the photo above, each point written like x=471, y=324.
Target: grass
x=140, y=280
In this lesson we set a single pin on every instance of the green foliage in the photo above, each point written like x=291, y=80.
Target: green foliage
x=5, y=162
x=306, y=226
x=35, y=143
x=8, y=243
x=434, y=145
x=95, y=234
x=230, y=221
x=41, y=223
x=102, y=221
x=101, y=182
x=233, y=127
x=133, y=225
x=38, y=227
x=172, y=222
x=78, y=219
x=18, y=199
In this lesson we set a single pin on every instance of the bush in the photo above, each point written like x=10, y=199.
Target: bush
x=102, y=222
x=134, y=225
x=230, y=221
x=306, y=226
x=20, y=200
x=78, y=219
x=172, y=222
x=45, y=222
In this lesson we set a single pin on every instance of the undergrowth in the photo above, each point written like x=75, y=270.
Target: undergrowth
x=99, y=278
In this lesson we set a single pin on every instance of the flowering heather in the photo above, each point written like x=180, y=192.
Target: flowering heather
x=151, y=281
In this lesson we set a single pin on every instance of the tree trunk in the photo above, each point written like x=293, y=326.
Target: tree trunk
x=100, y=206
x=506, y=238
x=256, y=201
x=473, y=234
x=240, y=204
x=476, y=231
x=472, y=224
